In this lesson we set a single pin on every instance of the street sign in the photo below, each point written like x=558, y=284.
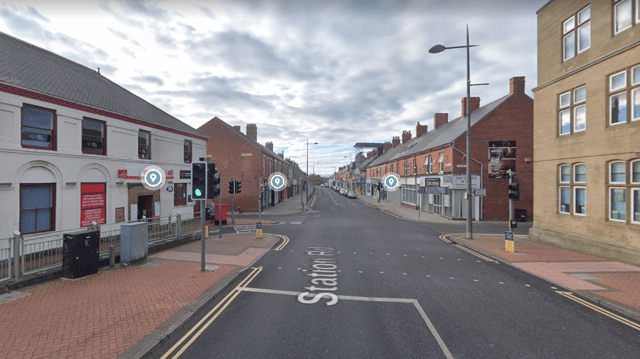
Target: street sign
x=277, y=181
x=461, y=166
x=508, y=236
x=480, y=192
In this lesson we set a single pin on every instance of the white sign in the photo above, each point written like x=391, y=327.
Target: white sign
x=156, y=213
x=480, y=192
x=447, y=201
x=430, y=198
x=460, y=181
x=133, y=213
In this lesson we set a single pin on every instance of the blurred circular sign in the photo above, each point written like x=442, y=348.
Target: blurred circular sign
x=277, y=181
x=153, y=178
x=391, y=181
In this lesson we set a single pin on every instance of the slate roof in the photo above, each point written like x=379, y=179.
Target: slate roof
x=32, y=68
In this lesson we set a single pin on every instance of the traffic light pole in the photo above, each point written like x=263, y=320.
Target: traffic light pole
x=233, y=220
x=203, y=218
x=220, y=208
x=510, y=201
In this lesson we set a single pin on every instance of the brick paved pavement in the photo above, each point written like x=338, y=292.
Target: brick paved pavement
x=102, y=315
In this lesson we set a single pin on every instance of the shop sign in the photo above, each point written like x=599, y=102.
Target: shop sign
x=460, y=182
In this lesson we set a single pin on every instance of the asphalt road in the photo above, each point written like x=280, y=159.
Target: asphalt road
x=390, y=288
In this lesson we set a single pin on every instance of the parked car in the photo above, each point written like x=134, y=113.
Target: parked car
x=352, y=194
x=342, y=191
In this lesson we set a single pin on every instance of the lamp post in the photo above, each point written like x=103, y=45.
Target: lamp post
x=437, y=49
x=315, y=143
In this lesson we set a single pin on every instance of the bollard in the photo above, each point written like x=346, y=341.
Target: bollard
x=178, y=226
x=16, y=256
x=112, y=256
x=259, y=230
x=206, y=231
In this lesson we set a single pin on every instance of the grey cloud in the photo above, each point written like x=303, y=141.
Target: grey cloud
x=128, y=52
x=166, y=41
x=36, y=14
x=206, y=11
x=149, y=79
x=147, y=8
x=124, y=36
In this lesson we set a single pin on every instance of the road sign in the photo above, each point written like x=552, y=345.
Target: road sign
x=277, y=181
x=480, y=192
x=391, y=182
x=508, y=236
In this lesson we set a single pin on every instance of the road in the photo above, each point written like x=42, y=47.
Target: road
x=390, y=288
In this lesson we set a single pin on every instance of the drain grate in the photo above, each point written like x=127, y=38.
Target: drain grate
x=8, y=297
x=210, y=267
x=151, y=265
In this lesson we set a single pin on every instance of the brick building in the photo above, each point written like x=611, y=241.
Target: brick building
x=73, y=145
x=241, y=157
x=587, y=126
x=502, y=135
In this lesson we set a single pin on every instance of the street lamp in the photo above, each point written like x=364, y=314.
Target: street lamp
x=437, y=49
x=315, y=143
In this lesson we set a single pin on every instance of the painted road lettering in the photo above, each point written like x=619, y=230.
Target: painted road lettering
x=324, y=276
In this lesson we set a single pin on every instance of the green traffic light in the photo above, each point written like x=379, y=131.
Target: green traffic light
x=198, y=192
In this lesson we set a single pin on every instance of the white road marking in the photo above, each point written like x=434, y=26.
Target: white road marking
x=405, y=255
x=440, y=257
x=475, y=280
x=422, y=256
x=554, y=288
x=424, y=316
x=296, y=222
x=451, y=278
x=359, y=271
x=279, y=267
x=381, y=272
x=428, y=276
x=501, y=282
x=527, y=285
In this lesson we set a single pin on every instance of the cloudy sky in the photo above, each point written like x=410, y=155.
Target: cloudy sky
x=337, y=72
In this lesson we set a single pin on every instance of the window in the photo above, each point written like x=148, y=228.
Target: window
x=618, y=81
x=580, y=206
x=635, y=106
x=430, y=164
x=636, y=205
x=618, y=204
x=565, y=200
x=406, y=167
x=144, y=144
x=188, y=148
x=569, y=40
x=575, y=111
x=584, y=29
x=93, y=137
x=635, y=172
x=392, y=167
x=441, y=162
x=38, y=128
x=565, y=174
x=580, y=172
x=37, y=207
x=618, y=113
x=415, y=167
x=622, y=16
x=180, y=194
x=618, y=174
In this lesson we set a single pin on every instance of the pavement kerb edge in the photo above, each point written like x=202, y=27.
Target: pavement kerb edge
x=153, y=340
x=592, y=298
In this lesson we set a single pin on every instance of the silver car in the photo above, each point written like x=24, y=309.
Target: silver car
x=352, y=194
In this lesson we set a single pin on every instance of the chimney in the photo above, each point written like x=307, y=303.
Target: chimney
x=421, y=129
x=269, y=146
x=474, y=105
x=440, y=119
x=516, y=85
x=281, y=155
x=395, y=142
x=387, y=146
x=237, y=128
x=252, y=131
x=406, y=136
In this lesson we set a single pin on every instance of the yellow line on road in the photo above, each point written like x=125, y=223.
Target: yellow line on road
x=442, y=236
x=474, y=253
x=609, y=314
x=224, y=303
x=285, y=241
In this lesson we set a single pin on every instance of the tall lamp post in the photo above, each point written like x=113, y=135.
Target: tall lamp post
x=437, y=49
x=315, y=143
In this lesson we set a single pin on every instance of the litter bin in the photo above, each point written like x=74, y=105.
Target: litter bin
x=224, y=214
x=521, y=215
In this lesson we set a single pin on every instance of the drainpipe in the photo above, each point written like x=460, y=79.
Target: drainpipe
x=481, y=173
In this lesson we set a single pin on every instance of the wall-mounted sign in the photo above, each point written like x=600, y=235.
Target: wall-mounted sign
x=502, y=158
x=93, y=203
x=432, y=182
x=460, y=181
x=122, y=173
x=185, y=174
x=120, y=214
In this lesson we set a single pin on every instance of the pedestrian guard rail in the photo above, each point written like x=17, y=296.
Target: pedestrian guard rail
x=43, y=251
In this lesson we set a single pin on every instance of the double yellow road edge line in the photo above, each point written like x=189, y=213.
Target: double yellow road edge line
x=609, y=314
x=481, y=256
x=285, y=241
x=214, y=313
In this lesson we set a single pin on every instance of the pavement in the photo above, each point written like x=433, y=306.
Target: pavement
x=123, y=311
x=289, y=206
x=608, y=283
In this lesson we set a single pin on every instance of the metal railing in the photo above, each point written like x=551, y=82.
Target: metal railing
x=107, y=239
x=38, y=256
x=6, y=248
x=162, y=229
x=190, y=224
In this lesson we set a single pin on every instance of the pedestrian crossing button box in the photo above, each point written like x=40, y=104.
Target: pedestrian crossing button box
x=80, y=253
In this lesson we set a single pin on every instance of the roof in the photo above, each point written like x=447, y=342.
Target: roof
x=445, y=133
x=253, y=142
x=32, y=68
x=387, y=156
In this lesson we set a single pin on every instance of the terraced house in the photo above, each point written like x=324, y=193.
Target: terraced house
x=502, y=139
x=587, y=126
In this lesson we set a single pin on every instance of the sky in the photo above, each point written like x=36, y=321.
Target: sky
x=333, y=72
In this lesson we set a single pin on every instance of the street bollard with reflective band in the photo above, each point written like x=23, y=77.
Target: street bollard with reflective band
x=259, y=230
x=112, y=256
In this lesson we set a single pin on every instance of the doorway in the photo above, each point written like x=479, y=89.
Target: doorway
x=145, y=207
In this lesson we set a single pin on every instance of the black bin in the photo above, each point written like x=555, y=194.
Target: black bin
x=521, y=215
x=80, y=253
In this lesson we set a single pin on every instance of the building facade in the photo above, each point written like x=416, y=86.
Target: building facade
x=71, y=156
x=502, y=135
x=241, y=157
x=587, y=126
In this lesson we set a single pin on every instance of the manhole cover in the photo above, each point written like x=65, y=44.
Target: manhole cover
x=150, y=265
x=8, y=297
x=210, y=267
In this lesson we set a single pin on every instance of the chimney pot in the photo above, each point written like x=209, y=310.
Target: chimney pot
x=421, y=129
x=395, y=142
x=406, y=136
x=516, y=85
x=237, y=128
x=440, y=119
x=269, y=146
x=252, y=131
x=387, y=146
x=474, y=105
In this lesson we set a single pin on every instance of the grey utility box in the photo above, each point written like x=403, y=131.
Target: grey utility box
x=134, y=241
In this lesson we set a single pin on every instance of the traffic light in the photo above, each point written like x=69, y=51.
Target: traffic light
x=232, y=189
x=237, y=186
x=514, y=191
x=198, y=180
x=213, y=180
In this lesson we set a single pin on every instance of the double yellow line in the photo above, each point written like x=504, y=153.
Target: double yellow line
x=285, y=240
x=481, y=256
x=609, y=314
x=215, y=312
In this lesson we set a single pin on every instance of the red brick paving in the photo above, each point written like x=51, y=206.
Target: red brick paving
x=627, y=284
x=102, y=315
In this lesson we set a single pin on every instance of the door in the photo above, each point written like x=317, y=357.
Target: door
x=145, y=206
